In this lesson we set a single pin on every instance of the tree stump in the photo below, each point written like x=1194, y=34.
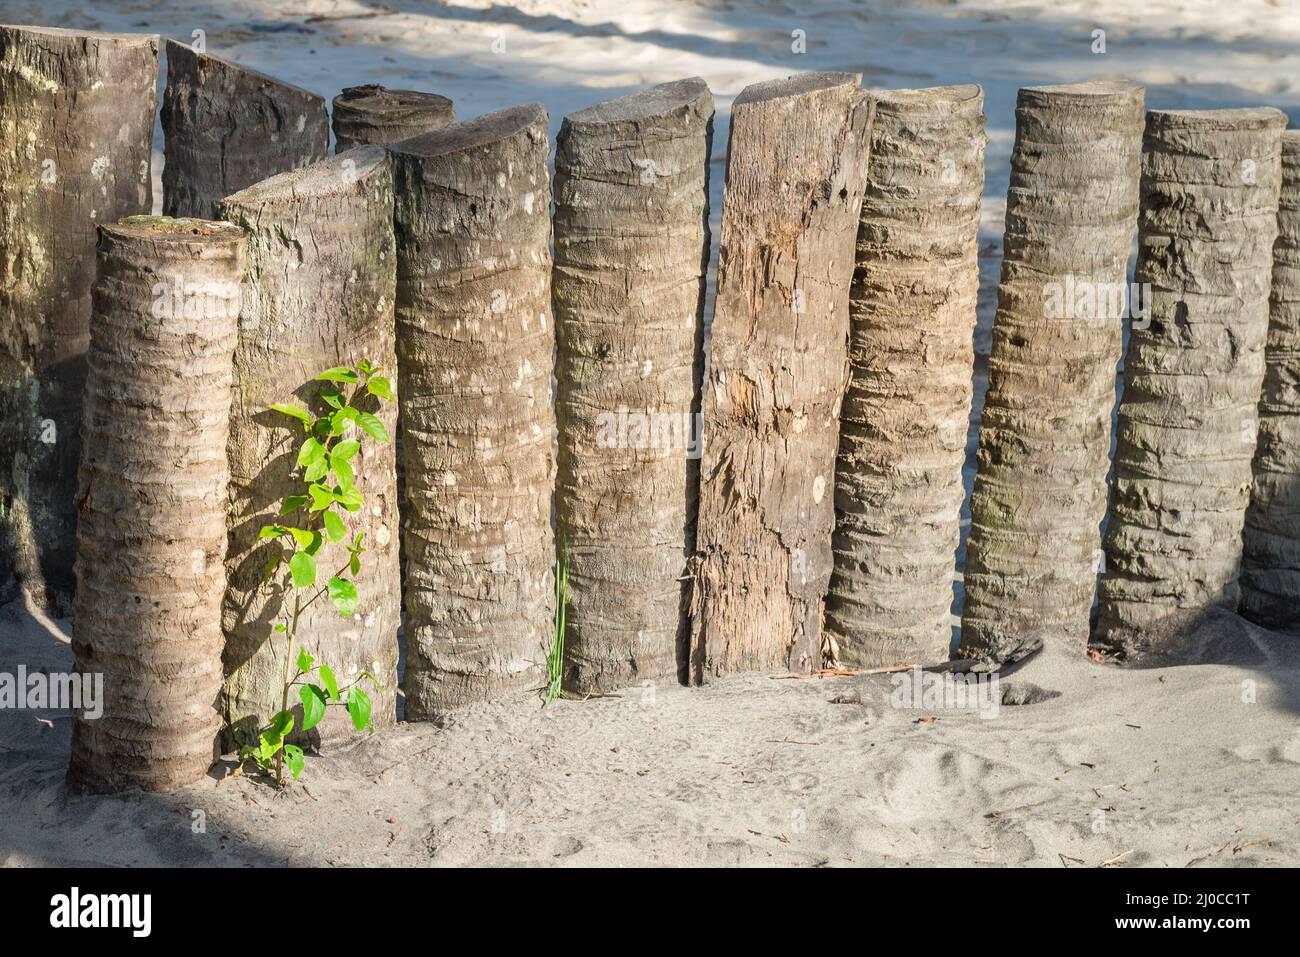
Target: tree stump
x=1188, y=418
x=322, y=277
x=475, y=348
x=898, y=481
x=372, y=115
x=227, y=127
x=631, y=253
x=796, y=171
x=1044, y=447
x=152, y=530
x=1270, y=564
x=77, y=114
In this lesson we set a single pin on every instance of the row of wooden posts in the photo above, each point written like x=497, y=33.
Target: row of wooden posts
x=820, y=520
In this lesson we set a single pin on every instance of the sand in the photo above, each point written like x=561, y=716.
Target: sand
x=1180, y=766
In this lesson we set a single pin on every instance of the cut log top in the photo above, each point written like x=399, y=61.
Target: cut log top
x=333, y=176
x=185, y=55
x=663, y=100
x=195, y=232
x=945, y=100
x=1082, y=94
x=1245, y=120
x=363, y=102
x=128, y=39
x=798, y=85
x=480, y=131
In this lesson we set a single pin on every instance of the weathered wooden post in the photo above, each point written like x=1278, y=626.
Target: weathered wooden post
x=898, y=481
x=1270, y=563
x=152, y=530
x=1192, y=377
x=1040, y=487
x=77, y=114
x=796, y=170
x=227, y=127
x=631, y=252
x=321, y=293
x=372, y=115
x=475, y=346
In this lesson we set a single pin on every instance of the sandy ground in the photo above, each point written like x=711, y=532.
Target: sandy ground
x=1189, y=766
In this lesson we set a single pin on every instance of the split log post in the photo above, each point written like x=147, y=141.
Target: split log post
x=76, y=127
x=796, y=171
x=475, y=352
x=1045, y=431
x=227, y=127
x=1270, y=564
x=321, y=293
x=372, y=115
x=631, y=253
x=1188, y=418
x=151, y=536
x=898, y=481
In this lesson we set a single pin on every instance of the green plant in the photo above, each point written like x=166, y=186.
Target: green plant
x=555, y=654
x=324, y=468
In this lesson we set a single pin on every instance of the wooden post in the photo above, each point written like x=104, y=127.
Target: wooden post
x=796, y=170
x=76, y=110
x=1192, y=377
x=1040, y=486
x=152, y=529
x=898, y=481
x=227, y=127
x=1270, y=565
x=322, y=276
x=631, y=252
x=475, y=345
x=372, y=115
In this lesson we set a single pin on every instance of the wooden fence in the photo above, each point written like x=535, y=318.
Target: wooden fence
x=794, y=505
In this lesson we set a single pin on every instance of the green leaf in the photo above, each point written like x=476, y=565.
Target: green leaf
x=294, y=411
x=338, y=374
x=334, y=526
x=281, y=627
x=343, y=472
x=312, y=451
x=305, y=660
x=371, y=425
x=322, y=497
x=331, y=683
x=303, y=567
x=313, y=705
x=340, y=420
x=332, y=398
x=350, y=498
x=302, y=536
x=344, y=595
x=292, y=503
x=293, y=757
x=365, y=367
x=282, y=723
x=271, y=531
x=316, y=471
x=272, y=563
x=381, y=387
x=359, y=708
x=354, y=564
x=345, y=449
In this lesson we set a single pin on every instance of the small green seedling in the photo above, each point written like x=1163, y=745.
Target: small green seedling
x=328, y=495
x=555, y=654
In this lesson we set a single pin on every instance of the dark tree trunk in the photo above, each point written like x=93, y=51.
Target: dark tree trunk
x=227, y=127
x=631, y=252
x=1044, y=446
x=1270, y=565
x=322, y=271
x=898, y=481
x=796, y=170
x=1192, y=380
x=152, y=530
x=76, y=126
x=371, y=115
x=475, y=347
